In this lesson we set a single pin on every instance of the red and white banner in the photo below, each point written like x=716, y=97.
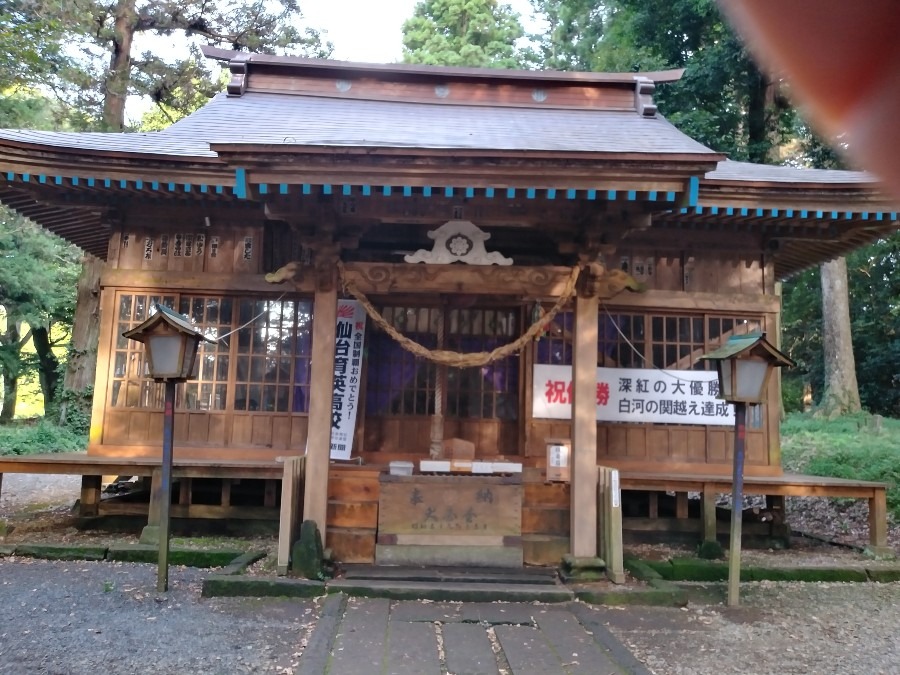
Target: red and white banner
x=636, y=395
x=349, y=341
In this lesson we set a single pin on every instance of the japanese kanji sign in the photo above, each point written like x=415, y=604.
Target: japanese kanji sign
x=349, y=338
x=636, y=395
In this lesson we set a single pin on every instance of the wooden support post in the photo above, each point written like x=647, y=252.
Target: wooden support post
x=878, y=521
x=226, y=492
x=270, y=496
x=583, y=514
x=184, y=491
x=318, y=439
x=709, y=514
x=681, y=505
x=90, y=495
x=653, y=505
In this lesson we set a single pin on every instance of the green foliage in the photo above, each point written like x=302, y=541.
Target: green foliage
x=573, y=35
x=724, y=101
x=103, y=71
x=27, y=438
x=77, y=406
x=30, y=45
x=852, y=446
x=477, y=33
x=874, y=289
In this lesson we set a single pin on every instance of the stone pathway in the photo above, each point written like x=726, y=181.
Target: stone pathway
x=360, y=636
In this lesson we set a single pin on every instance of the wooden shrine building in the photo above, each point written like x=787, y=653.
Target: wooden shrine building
x=461, y=210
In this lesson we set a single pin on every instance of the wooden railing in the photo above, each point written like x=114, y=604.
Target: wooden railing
x=291, y=509
x=609, y=521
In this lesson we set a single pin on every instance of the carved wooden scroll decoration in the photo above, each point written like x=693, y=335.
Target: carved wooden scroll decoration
x=458, y=241
x=643, y=96
x=597, y=281
x=238, y=67
x=531, y=282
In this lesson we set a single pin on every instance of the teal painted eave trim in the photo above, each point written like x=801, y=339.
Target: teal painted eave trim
x=790, y=214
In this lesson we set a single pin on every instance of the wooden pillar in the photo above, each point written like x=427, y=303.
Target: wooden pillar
x=318, y=439
x=583, y=510
x=878, y=520
x=90, y=495
x=709, y=514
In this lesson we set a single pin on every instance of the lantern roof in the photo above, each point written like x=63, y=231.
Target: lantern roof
x=751, y=344
x=171, y=318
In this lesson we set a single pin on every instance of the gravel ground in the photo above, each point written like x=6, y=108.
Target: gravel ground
x=71, y=618
x=780, y=629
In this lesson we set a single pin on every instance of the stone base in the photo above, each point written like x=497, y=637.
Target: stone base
x=582, y=569
x=450, y=556
x=150, y=535
x=881, y=552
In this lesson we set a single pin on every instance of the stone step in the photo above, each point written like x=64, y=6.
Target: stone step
x=452, y=574
x=462, y=592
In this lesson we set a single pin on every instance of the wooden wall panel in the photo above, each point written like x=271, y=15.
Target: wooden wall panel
x=730, y=274
x=636, y=442
x=678, y=444
x=241, y=430
x=618, y=441
x=198, y=427
x=281, y=432
x=261, y=433
x=668, y=274
x=299, y=428
x=717, y=441
x=755, y=448
x=155, y=432
x=696, y=445
x=218, y=429
x=657, y=443
x=115, y=427
x=138, y=426
x=181, y=428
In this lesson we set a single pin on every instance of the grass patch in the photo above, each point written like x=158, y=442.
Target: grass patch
x=29, y=437
x=859, y=447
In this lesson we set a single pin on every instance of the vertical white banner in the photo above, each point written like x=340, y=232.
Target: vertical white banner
x=349, y=341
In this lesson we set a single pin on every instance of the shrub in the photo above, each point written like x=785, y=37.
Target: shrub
x=26, y=438
x=847, y=447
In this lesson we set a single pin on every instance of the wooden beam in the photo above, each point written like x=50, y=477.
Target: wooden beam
x=318, y=444
x=536, y=282
x=583, y=539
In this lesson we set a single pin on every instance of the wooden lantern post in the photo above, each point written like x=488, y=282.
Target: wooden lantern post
x=171, y=344
x=744, y=364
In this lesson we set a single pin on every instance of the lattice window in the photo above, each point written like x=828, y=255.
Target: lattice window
x=627, y=340
x=399, y=384
x=273, y=356
x=209, y=389
x=265, y=366
x=131, y=387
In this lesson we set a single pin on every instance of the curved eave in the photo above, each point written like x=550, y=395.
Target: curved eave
x=418, y=167
x=43, y=159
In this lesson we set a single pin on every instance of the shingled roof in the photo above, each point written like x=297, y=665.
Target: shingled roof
x=289, y=112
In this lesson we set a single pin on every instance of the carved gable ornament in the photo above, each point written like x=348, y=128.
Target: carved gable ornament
x=458, y=241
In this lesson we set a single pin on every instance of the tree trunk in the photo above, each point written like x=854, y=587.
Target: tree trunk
x=119, y=75
x=841, y=393
x=82, y=362
x=48, y=365
x=9, y=369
